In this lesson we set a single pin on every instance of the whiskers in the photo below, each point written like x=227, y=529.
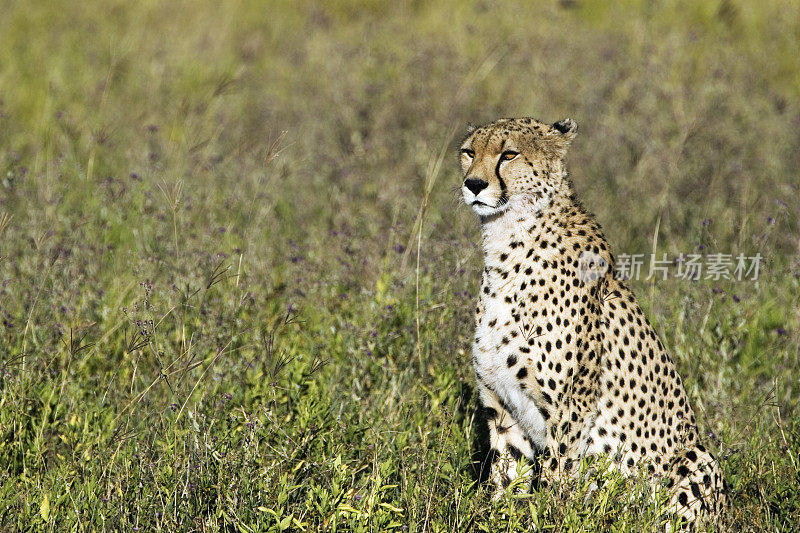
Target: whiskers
x=457, y=197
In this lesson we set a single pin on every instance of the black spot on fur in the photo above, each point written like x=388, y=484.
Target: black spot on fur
x=490, y=413
x=514, y=452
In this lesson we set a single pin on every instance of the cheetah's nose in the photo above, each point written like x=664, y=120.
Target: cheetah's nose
x=475, y=185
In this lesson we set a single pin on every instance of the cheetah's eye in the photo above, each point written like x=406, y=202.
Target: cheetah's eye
x=467, y=152
x=508, y=155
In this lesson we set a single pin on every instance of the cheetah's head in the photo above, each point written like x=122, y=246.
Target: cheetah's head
x=512, y=160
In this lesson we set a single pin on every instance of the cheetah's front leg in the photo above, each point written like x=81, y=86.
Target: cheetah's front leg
x=698, y=491
x=509, y=444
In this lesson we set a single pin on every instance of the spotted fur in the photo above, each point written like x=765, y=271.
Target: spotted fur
x=567, y=364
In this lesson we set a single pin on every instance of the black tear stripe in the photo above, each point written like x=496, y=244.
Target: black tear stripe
x=503, y=188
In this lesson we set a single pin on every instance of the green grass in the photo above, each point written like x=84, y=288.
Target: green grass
x=236, y=280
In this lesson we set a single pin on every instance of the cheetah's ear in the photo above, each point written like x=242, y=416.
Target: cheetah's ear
x=562, y=133
x=471, y=127
x=567, y=127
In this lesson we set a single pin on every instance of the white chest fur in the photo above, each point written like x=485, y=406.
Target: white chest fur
x=492, y=348
x=490, y=356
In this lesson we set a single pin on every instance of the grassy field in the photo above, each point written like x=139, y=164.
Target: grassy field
x=236, y=280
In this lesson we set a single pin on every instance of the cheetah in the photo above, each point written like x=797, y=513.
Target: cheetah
x=567, y=365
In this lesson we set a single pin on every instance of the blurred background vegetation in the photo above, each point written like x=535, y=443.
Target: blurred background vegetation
x=236, y=279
